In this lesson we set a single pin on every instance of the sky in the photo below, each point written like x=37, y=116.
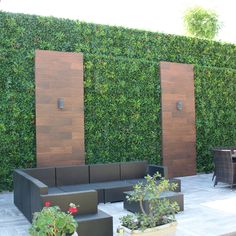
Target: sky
x=154, y=15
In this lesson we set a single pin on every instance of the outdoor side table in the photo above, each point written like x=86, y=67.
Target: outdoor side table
x=99, y=224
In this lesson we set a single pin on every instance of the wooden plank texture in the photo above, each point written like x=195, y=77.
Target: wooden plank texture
x=178, y=126
x=59, y=132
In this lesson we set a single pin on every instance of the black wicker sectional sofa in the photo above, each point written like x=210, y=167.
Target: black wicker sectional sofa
x=85, y=185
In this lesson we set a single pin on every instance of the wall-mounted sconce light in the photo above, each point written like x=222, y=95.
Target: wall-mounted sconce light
x=60, y=103
x=179, y=105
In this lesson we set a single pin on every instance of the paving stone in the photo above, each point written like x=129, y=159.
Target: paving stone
x=208, y=211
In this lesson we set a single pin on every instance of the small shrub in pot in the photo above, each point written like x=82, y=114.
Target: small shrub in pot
x=160, y=211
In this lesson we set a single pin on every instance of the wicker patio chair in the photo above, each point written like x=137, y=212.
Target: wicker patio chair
x=225, y=168
x=233, y=150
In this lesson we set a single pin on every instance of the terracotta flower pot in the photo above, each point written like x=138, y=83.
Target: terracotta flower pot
x=163, y=230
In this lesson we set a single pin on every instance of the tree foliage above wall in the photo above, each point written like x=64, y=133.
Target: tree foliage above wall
x=202, y=23
x=122, y=89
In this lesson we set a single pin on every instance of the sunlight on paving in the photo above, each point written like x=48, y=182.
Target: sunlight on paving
x=226, y=205
x=208, y=210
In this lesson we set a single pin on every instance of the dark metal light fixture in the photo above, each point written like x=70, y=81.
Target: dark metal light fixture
x=60, y=103
x=179, y=105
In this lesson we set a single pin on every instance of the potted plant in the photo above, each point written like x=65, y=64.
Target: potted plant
x=51, y=221
x=159, y=218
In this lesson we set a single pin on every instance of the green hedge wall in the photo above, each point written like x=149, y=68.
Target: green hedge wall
x=122, y=100
x=122, y=89
x=215, y=90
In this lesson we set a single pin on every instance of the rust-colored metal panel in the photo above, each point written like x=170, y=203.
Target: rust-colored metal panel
x=178, y=125
x=59, y=132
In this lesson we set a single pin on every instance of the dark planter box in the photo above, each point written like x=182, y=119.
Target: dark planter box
x=172, y=196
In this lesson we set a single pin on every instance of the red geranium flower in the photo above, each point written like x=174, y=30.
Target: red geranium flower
x=47, y=204
x=73, y=210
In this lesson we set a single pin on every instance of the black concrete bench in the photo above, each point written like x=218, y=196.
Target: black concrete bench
x=99, y=224
x=63, y=185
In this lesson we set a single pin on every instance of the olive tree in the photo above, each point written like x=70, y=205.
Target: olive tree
x=201, y=23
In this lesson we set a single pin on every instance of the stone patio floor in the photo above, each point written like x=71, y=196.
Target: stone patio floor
x=208, y=211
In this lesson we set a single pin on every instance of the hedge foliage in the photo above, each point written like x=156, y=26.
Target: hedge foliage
x=215, y=90
x=122, y=89
x=122, y=100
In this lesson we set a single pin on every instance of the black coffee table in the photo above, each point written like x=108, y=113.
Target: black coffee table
x=171, y=196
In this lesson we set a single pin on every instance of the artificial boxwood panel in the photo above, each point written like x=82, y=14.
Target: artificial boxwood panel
x=122, y=110
x=27, y=32
x=215, y=90
x=122, y=89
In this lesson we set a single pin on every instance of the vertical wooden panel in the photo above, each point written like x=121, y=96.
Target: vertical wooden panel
x=59, y=132
x=178, y=126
